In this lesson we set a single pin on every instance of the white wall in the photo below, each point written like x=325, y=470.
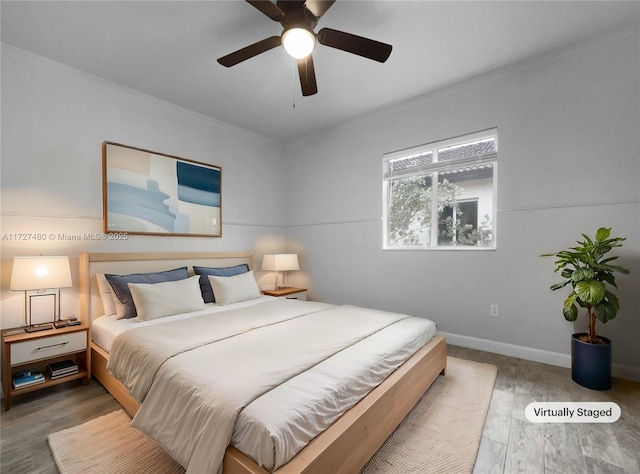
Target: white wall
x=568, y=162
x=54, y=120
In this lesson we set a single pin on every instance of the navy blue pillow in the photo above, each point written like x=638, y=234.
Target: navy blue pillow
x=204, y=272
x=120, y=285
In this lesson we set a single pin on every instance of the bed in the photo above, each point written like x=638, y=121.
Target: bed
x=338, y=440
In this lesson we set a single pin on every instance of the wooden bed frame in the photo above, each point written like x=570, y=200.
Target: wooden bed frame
x=346, y=445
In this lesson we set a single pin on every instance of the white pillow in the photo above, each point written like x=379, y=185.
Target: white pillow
x=234, y=289
x=155, y=300
x=107, y=295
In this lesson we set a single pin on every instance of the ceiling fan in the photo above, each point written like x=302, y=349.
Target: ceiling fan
x=298, y=19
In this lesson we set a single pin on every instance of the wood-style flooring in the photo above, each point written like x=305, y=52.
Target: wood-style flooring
x=510, y=444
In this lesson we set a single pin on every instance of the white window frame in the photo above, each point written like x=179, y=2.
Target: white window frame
x=433, y=169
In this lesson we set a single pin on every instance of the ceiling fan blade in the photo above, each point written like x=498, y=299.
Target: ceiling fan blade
x=354, y=44
x=268, y=8
x=289, y=6
x=318, y=7
x=307, y=76
x=250, y=51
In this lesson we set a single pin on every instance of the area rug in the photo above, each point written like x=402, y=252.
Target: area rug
x=441, y=434
x=108, y=444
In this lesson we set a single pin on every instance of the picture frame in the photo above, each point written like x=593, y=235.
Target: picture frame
x=150, y=193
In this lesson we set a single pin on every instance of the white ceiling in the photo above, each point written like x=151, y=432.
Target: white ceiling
x=168, y=49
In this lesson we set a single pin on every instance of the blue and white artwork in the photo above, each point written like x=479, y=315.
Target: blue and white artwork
x=152, y=193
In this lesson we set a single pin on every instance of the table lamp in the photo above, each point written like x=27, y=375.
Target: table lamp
x=43, y=276
x=280, y=263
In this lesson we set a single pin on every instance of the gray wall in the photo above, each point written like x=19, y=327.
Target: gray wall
x=54, y=120
x=568, y=162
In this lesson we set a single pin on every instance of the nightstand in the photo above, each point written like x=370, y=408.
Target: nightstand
x=35, y=350
x=288, y=293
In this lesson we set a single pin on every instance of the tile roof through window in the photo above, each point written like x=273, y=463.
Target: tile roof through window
x=467, y=150
x=455, y=152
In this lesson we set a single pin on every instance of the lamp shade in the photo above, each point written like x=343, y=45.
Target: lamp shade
x=39, y=273
x=280, y=262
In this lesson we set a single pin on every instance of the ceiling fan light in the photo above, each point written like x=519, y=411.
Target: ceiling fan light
x=298, y=42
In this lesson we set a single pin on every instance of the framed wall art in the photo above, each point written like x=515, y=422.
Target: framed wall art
x=151, y=193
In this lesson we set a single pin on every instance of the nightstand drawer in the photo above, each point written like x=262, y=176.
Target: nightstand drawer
x=301, y=295
x=36, y=349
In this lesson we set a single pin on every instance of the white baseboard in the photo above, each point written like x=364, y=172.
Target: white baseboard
x=529, y=353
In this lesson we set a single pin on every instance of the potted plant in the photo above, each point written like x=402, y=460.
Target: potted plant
x=588, y=270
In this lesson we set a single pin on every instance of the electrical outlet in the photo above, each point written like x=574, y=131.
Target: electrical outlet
x=494, y=310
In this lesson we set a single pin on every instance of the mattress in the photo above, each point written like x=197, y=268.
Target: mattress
x=275, y=426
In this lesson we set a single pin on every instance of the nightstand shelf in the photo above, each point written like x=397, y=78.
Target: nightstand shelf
x=48, y=382
x=288, y=293
x=38, y=349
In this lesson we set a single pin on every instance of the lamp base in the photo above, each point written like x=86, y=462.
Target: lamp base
x=39, y=327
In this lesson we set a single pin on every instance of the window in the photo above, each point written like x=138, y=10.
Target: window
x=459, y=211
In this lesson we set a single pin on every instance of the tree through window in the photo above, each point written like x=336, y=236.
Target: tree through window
x=459, y=211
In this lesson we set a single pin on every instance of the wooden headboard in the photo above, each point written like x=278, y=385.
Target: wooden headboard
x=124, y=263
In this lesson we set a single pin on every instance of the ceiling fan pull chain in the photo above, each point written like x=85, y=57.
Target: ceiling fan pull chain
x=293, y=82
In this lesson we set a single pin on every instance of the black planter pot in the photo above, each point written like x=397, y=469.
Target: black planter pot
x=591, y=363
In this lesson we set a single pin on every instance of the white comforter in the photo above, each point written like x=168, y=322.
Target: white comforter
x=207, y=370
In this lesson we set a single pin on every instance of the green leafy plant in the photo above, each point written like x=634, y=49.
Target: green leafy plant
x=587, y=269
x=410, y=214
